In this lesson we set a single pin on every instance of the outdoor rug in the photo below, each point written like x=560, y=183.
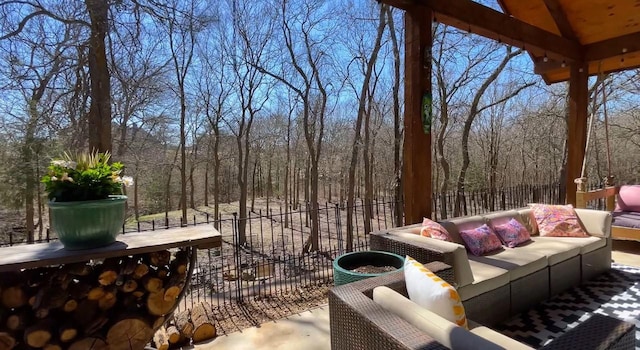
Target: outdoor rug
x=615, y=293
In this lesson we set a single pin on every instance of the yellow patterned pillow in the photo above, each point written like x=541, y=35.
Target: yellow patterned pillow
x=428, y=290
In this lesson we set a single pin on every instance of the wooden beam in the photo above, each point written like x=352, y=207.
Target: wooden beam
x=465, y=14
x=612, y=47
x=417, y=143
x=576, y=127
x=485, y=21
x=541, y=67
x=555, y=9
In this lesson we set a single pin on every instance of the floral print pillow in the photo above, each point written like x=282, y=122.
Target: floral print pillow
x=481, y=240
x=557, y=220
x=512, y=233
x=433, y=229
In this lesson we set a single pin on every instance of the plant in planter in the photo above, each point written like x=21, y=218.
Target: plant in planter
x=86, y=201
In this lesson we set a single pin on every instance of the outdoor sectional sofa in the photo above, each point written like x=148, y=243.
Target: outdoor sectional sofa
x=500, y=284
x=361, y=319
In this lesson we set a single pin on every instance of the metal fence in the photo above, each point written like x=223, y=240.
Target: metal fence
x=271, y=276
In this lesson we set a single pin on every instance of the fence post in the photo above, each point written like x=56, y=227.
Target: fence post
x=237, y=258
x=339, y=230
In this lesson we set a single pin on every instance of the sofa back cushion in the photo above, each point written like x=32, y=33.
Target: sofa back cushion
x=481, y=240
x=526, y=217
x=455, y=225
x=628, y=198
x=557, y=221
x=428, y=290
x=443, y=331
x=595, y=222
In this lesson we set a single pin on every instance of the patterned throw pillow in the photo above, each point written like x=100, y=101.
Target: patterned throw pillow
x=428, y=290
x=557, y=220
x=481, y=240
x=512, y=233
x=433, y=229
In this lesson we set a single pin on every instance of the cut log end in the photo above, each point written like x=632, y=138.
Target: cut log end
x=108, y=277
x=70, y=305
x=203, y=333
x=13, y=297
x=129, y=333
x=173, y=335
x=37, y=336
x=89, y=343
x=157, y=305
x=7, y=341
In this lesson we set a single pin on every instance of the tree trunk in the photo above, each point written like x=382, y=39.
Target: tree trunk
x=100, y=109
x=397, y=135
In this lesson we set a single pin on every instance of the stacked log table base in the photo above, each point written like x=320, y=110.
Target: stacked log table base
x=114, y=304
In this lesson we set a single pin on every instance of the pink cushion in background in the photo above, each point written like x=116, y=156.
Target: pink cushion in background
x=512, y=233
x=557, y=220
x=628, y=198
x=481, y=240
x=433, y=229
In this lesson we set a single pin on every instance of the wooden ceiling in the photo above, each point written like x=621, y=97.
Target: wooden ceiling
x=556, y=33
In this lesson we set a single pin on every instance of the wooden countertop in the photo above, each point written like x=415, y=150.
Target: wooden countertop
x=46, y=254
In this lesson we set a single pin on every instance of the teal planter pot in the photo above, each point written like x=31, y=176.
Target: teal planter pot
x=87, y=224
x=343, y=265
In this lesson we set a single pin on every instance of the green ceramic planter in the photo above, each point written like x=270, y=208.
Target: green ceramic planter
x=343, y=265
x=88, y=224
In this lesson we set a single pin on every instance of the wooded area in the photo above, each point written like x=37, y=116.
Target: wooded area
x=295, y=101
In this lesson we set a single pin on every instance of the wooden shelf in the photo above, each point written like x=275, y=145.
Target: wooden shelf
x=46, y=254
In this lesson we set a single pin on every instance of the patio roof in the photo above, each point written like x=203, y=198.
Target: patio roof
x=568, y=40
x=603, y=33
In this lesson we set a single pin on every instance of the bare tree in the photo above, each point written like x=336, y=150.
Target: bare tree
x=364, y=104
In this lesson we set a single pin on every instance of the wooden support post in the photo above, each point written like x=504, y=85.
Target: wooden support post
x=576, y=126
x=417, y=132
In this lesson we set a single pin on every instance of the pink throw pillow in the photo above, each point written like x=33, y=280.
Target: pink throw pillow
x=512, y=233
x=481, y=240
x=628, y=198
x=557, y=220
x=433, y=229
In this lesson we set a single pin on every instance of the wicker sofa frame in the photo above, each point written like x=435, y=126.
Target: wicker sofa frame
x=357, y=322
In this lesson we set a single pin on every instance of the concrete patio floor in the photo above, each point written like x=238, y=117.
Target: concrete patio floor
x=310, y=330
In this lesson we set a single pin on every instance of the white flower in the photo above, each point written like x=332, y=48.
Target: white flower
x=66, y=177
x=64, y=164
x=127, y=181
x=53, y=178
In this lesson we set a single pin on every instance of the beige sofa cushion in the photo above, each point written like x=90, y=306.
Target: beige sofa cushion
x=502, y=217
x=518, y=262
x=527, y=219
x=499, y=339
x=595, y=222
x=555, y=250
x=485, y=278
x=460, y=261
x=585, y=244
x=443, y=331
x=454, y=226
